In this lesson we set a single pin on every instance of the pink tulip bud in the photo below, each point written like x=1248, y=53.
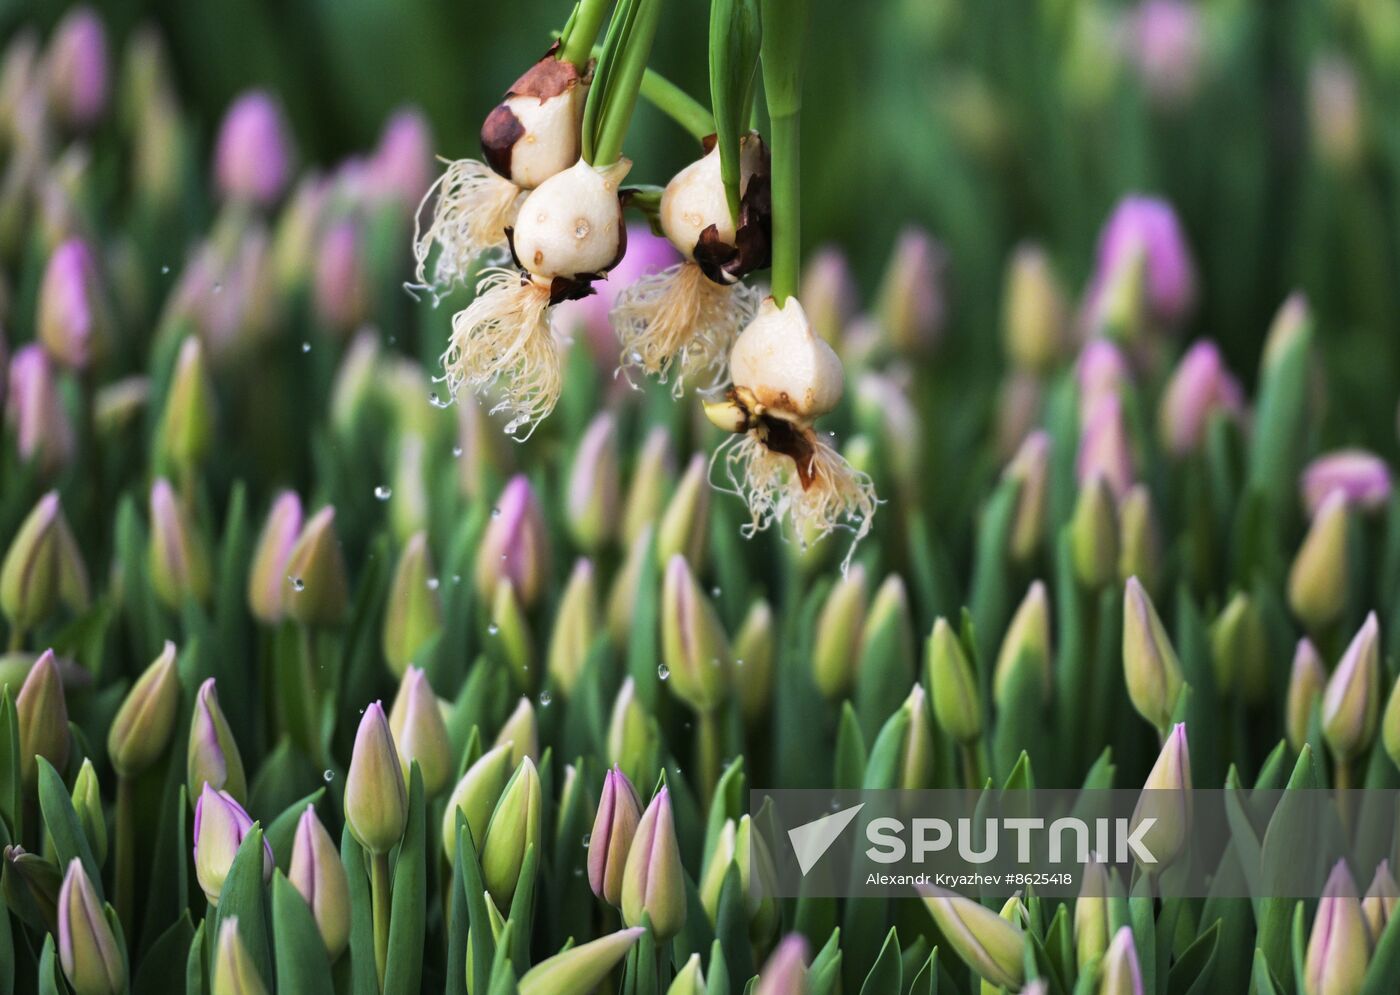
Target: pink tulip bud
x=1362, y=476
x=43, y=430
x=1104, y=449
x=1166, y=45
x=342, y=287
x=268, y=580
x=252, y=159
x=911, y=304
x=1147, y=228
x=220, y=826
x=785, y=973
x=73, y=320
x=401, y=168
x=1101, y=371
x=1338, y=948
x=78, y=76
x=1200, y=387
x=515, y=546
x=829, y=292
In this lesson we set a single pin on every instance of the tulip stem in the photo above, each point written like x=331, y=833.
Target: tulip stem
x=379, y=898
x=710, y=749
x=125, y=873
x=576, y=44
x=16, y=638
x=787, y=228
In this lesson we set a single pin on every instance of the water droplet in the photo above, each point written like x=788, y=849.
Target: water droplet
x=586, y=838
x=433, y=583
x=495, y=512
x=545, y=699
x=306, y=347
x=165, y=269
x=436, y=401
x=714, y=591
x=492, y=629
x=383, y=493
x=297, y=583
x=456, y=452
x=328, y=775
x=663, y=672
x=218, y=288
x=738, y=663
x=581, y=228
x=456, y=578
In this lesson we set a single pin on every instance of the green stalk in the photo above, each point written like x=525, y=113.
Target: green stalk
x=787, y=221
x=678, y=105
x=618, y=79
x=124, y=882
x=784, y=31
x=379, y=885
x=710, y=747
x=582, y=31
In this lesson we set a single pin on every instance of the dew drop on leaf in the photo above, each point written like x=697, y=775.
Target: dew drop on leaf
x=663, y=672
x=383, y=493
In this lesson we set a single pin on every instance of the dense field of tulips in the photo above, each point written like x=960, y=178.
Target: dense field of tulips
x=408, y=568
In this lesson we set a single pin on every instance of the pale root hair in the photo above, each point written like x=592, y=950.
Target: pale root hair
x=474, y=206
x=838, y=497
x=679, y=325
x=502, y=342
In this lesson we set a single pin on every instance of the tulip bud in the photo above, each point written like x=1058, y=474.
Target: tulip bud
x=632, y=733
x=785, y=973
x=653, y=883
x=1104, y=449
x=1362, y=477
x=1027, y=639
x=1120, y=973
x=693, y=642
x=401, y=167
x=1147, y=228
x=651, y=477
x=956, y=702
x=420, y=732
x=1150, y=666
x=754, y=650
x=220, y=826
x=42, y=567
x=475, y=796
x=1240, y=650
x=353, y=390
x=234, y=971
x=143, y=725
x=1035, y=314
x=319, y=877
x=269, y=581
x=910, y=302
x=1292, y=325
x=1091, y=917
x=1166, y=797
x=828, y=292
x=1379, y=904
x=1093, y=534
x=581, y=969
x=176, y=557
x=576, y=628
x=1200, y=387
x=252, y=159
x=317, y=568
x=1101, y=372
x=684, y=527
x=511, y=632
x=836, y=643
x=521, y=733
x=43, y=429
x=1338, y=948
x=213, y=756
x=43, y=719
x=1351, y=703
x=1317, y=581
x=187, y=425
x=76, y=68
x=1336, y=120
x=916, y=760
x=738, y=845
x=88, y=949
x=1139, y=543
x=1305, y=683
x=591, y=500
x=73, y=313
x=342, y=289
x=514, y=546
x=87, y=805
x=376, y=801
x=987, y=943
x=1030, y=468
x=622, y=598
x=689, y=980
x=514, y=828
x=414, y=612
x=615, y=825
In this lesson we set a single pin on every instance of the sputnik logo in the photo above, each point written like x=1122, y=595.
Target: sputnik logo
x=812, y=839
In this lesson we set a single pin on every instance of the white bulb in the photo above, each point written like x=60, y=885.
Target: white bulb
x=694, y=199
x=785, y=365
x=571, y=223
x=550, y=143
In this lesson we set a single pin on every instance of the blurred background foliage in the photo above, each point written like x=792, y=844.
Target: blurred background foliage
x=987, y=122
